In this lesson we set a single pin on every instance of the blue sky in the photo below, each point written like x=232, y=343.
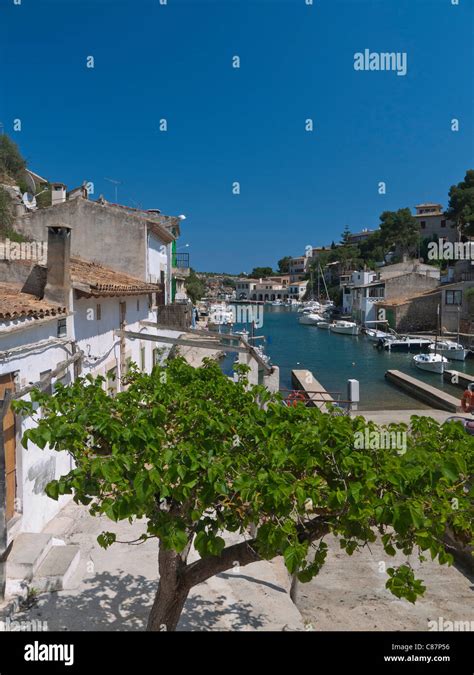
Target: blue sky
x=174, y=61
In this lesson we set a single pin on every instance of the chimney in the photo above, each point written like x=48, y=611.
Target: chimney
x=58, y=193
x=58, y=279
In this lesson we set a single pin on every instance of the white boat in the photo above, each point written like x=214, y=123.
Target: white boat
x=434, y=363
x=344, y=327
x=276, y=303
x=220, y=315
x=311, y=319
x=404, y=344
x=452, y=350
x=323, y=324
x=374, y=335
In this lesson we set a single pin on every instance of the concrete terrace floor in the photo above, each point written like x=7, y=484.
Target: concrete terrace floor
x=349, y=594
x=114, y=588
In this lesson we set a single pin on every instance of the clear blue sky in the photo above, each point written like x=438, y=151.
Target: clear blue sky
x=247, y=124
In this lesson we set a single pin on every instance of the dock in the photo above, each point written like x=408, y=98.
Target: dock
x=316, y=394
x=436, y=398
x=458, y=379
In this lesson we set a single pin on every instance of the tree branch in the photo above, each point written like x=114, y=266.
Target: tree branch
x=244, y=553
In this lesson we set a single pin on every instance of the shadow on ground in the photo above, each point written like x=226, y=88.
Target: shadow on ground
x=121, y=602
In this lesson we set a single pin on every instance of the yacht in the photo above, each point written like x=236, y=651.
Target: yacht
x=452, y=350
x=310, y=318
x=434, y=363
x=344, y=327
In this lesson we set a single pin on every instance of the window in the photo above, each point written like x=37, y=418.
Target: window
x=62, y=328
x=423, y=224
x=156, y=356
x=98, y=312
x=443, y=223
x=454, y=297
x=142, y=359
x=138, y=305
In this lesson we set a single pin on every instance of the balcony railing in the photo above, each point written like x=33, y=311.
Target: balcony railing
x=180, y=261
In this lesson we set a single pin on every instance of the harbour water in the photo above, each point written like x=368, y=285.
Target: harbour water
x=334, y=358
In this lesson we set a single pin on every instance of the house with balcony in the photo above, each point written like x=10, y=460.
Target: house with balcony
x=393, y=283
x=68, y=318
x=298, y=268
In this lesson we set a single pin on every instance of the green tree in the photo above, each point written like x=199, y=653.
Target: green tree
x=196, y=455
x=6, y=211
x=12, y=163
x=399, y=230
x=284, y=265
x=261, y=272
x=195, y=287
x=461, y=204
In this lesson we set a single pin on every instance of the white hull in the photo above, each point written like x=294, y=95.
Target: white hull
x=323, y=324
x=433, y=363
x=452, y=351
x=310, y=319
x=376, y=335
x=345, y=328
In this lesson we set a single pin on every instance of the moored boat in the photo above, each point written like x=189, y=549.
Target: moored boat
x=344, y=327
x=434, y=363
x=310, y=319
x=452, y=350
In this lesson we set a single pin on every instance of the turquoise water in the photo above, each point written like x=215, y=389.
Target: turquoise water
x=334, y=358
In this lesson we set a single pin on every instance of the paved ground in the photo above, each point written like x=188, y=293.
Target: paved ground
x=388, y=416
x=349, y=594
x=115, y=587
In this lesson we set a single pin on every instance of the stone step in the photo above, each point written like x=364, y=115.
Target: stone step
x=57, y=569
x=28, y=551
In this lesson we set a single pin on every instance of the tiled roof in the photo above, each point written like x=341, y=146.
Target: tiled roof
x=95, y=279
x=15, y=305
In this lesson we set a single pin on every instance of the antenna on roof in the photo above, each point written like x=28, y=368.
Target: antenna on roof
x=116, y=183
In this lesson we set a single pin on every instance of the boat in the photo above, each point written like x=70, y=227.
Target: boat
x=221, y=315
x=374, y=334
x=452, y=350
x=404, y=344
x=310, y=318
x=344, y=327
x=323, y=324
x=434, y=363
x=277, y=303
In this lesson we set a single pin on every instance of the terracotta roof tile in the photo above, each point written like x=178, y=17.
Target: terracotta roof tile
x=95, y=279
x=15, y=305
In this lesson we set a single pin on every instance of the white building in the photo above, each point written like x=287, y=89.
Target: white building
x=82, y=306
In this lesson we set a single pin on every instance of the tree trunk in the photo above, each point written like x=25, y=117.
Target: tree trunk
x=171, y=594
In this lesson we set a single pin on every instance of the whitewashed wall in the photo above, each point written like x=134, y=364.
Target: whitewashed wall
x=95, y=337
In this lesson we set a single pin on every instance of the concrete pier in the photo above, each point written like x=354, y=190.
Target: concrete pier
x=316, y=394
x=458, y=379
x=424, y=392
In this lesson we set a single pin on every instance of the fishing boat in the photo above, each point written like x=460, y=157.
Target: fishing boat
x=454, y=351
x=310, y=318
x=374, y=334
x=434, y=363
x=404, y=344
x=344, y=327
